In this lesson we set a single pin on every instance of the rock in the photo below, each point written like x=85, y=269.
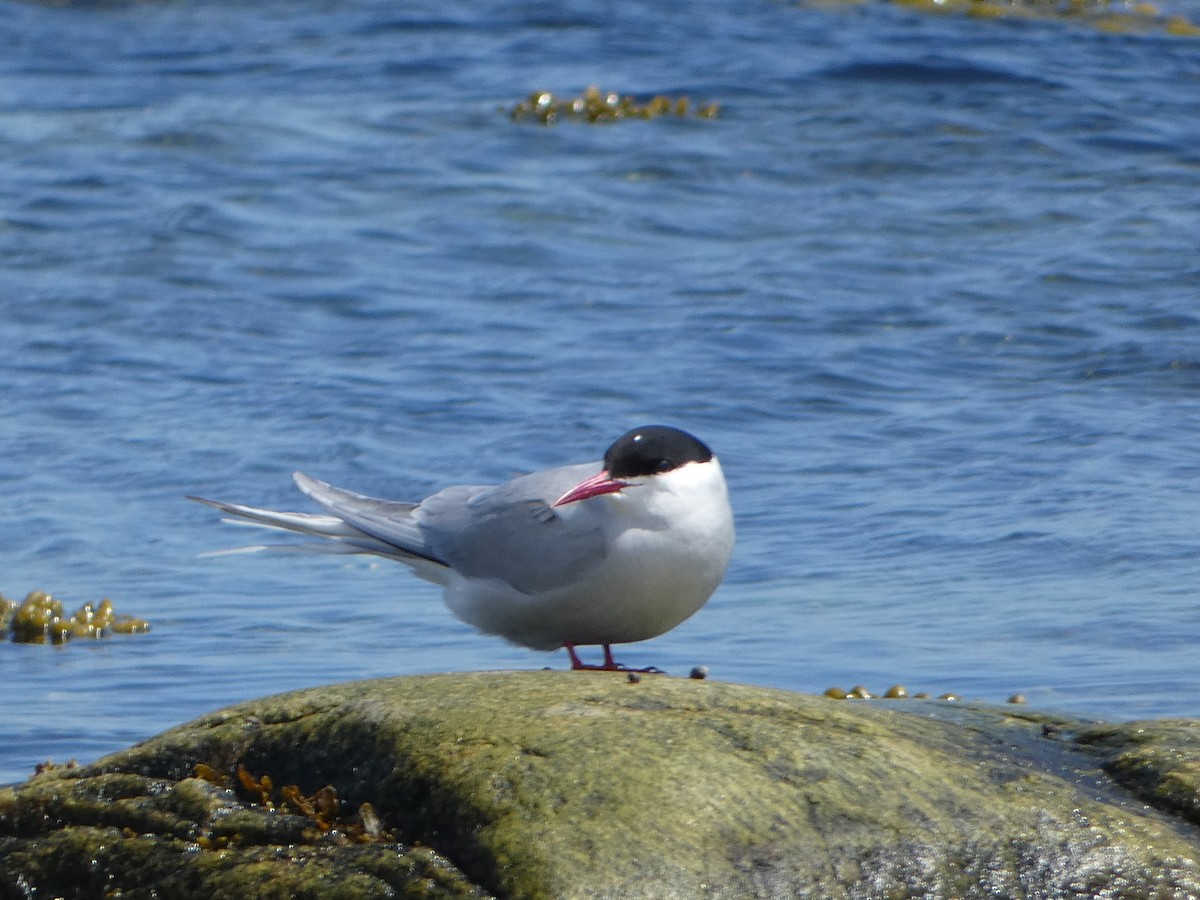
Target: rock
x=583, y=784
x=1158, y=761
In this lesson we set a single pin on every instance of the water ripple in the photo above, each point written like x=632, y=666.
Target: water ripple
x=926, y=284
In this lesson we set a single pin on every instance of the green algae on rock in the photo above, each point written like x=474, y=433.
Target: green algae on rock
x=1158, y=761
x=568, y=784
x=595, y=106
x=40, y=618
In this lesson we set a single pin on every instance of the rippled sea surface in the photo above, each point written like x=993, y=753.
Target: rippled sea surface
x=929, y=285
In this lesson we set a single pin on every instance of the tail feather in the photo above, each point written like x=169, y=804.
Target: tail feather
x=340, y=536
x=304, y=523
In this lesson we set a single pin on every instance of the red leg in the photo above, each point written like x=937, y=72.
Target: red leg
x=576, y=663
x=609, y=665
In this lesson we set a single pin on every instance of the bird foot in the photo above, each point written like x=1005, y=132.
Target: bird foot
x=609, y=664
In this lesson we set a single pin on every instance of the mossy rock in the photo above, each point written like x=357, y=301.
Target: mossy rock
x=1158, y=761
x=571, y=784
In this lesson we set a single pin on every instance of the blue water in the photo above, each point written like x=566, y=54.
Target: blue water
x=928, y=286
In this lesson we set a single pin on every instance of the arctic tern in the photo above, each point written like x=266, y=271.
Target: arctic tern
x=600, y=553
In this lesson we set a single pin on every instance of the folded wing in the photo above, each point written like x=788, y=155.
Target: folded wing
x=511, y=533
x=507, y=533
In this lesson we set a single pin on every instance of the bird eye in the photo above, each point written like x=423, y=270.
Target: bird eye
x=664, y=465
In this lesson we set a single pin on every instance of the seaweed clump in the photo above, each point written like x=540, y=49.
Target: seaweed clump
x=1115, y=16
x=860, y=692
x=322, y=810
x=41, y=619
x=596, y=106
x=895, y=692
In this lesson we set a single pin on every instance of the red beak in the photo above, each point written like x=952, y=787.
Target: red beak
x=600, y=483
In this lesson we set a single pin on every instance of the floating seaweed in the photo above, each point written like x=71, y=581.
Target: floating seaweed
x=41, y=619
x=1116, y=16
x=595, y=106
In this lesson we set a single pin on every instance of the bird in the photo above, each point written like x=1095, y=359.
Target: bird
x=603, y=553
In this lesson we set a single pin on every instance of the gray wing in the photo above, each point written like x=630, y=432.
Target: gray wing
x=510, y=532
x=387, y=520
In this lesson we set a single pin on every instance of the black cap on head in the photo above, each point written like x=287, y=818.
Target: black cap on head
x=652, y=449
